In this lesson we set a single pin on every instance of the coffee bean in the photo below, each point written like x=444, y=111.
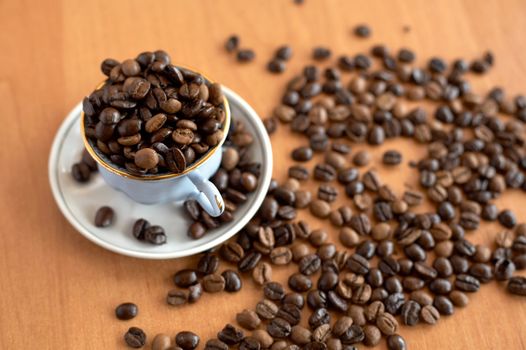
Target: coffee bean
x=392, y=157
x=126, y=311
x=504, y=269
x=279, y=328
x=327, y=193
x=410, y=313
x=443, y=305
x=507, y=218
x=245, y=55
x=362, y=31
x=176, y=297
x=81, y=172
x=248, y=262
x=274, y=291
x=161, y=342
x=458, y=298
x=429, y=314
x=262, y=273
x=230, y=335
x=276, y=66
x=321, y=53
x=396, y=342
x=135, y=337
x=232, y=43
x=300, y=335
x=517, y=285
x=358, y=264
x=231, y=252
x=387, y=323
x=187, y=340
x=248, y=319
x=153, y=234
x=298, y=172
x=194, y=293
x=233, y=281
x=324, y=172
x=185, y=278
x=320, y=208
x=213, y=283
x=302, y=154
x=104, y=216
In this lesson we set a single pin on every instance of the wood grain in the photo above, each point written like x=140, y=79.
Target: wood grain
x=58, y=291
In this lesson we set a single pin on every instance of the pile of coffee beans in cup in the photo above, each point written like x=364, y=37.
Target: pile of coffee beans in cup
x=399, y=259
x=151, y=117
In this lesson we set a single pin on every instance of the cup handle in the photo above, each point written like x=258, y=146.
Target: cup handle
x=207, y=194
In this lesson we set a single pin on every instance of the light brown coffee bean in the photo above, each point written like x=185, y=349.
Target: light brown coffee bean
x=146, y=158
x=262, y=273
x=248, y=319
x=155, y=123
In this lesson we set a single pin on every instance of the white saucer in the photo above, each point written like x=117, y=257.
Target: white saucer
x=79, y=202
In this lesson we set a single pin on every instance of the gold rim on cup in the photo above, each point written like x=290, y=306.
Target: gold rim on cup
x=204, y=158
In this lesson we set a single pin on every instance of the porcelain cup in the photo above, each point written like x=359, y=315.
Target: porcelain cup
x=192, y=183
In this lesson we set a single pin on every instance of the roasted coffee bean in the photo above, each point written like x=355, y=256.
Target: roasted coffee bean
x=230, y=335
x=248, y=319
x=232, y=43
x=324, y=172
x=274, y=291
x=213, y=283
x=245, y=55
x=135, y=337
x=185, y=278
x=279, y=328
x=187, y=340
x=327, y=193
x=155, y=235
x=392, y=157
x=176, y=297
x=231, y=252
x=429, y=314
x=362, y=31
x=443, y=305
x=215, y=344
x=81, y=172
x=358, y=264
x=104, y=216
x=126, y=311
x=318, y=317
x=320, y=208
x=394, y=302
x=233, y=281
x=208, y=264
x=161, y=342
x=504, y=269
x=396, y=342
x=458, y=298
x=194, y=292
x=302, y=154
x=517, y=285
x=298, y=172
x=300, y=335
x=299, y=282
x=507, y=218
x=262, y=273
x=481, y=272
x=321, y=53
x=387, y=323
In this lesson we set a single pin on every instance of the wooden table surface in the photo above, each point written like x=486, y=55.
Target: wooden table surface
x=58, y=290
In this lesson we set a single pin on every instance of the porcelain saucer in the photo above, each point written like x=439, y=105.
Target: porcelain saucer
x=79, y=202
